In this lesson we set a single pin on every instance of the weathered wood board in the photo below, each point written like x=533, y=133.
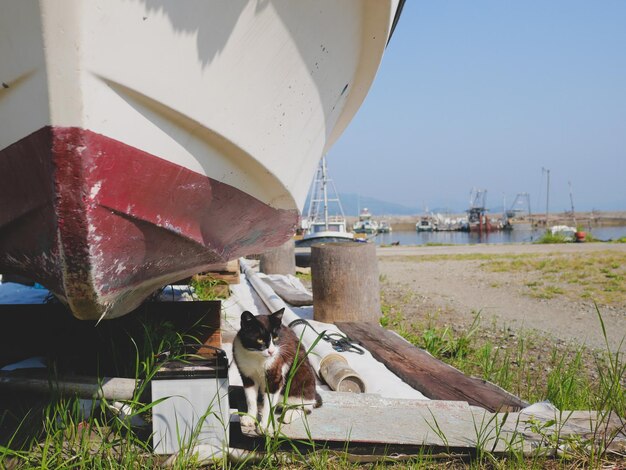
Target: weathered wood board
x=435, y=379
x=366, y=418
x=225, y=272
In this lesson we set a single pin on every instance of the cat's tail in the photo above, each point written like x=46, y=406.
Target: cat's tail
x=318, y=400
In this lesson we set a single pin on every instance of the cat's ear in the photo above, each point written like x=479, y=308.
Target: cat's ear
x=276, y=318
x=247, y=319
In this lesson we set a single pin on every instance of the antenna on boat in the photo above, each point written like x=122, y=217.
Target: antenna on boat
x=521, y=205
x=571, y=200
x=547, y=171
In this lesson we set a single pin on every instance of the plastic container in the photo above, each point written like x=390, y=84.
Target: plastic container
x=194, y=410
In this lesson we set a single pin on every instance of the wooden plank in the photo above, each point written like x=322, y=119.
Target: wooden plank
x=212, y=291
x=227, y=272
x=86, y=347
x=367, y=418
x=226, y=277
x=432, y=377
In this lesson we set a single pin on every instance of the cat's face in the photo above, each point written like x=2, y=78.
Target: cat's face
x=261, y=333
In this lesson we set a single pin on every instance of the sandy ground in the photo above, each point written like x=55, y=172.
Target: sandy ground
x=455, y=288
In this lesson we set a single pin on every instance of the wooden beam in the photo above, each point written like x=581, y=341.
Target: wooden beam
x=432, y=377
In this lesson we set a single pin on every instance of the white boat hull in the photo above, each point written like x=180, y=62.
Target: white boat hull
x=224, y=107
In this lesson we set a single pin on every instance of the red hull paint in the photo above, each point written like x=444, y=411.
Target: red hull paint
x=103, y=224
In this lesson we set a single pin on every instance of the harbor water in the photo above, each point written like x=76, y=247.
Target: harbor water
x=521, y=233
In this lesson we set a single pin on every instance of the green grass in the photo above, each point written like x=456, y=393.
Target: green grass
x=304, y=276
x=449, y=257
x=210, y=289
x=600, y=276
x=571, y=377
x=548, y=237
x=530, y=365
x=56, y=432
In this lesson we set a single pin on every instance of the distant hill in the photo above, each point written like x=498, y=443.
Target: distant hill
x=352, y=203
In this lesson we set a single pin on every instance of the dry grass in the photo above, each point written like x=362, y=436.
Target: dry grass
x=600, y=276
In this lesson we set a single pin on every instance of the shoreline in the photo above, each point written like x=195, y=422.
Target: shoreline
x=497, y=248
x=584, y=219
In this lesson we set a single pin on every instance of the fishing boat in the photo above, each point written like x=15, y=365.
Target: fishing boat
x=143, y=141
x=323, y=223
x=365, y=224
x=384, y=227
x=424, y=224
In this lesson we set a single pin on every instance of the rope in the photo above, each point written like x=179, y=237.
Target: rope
x=339, y=342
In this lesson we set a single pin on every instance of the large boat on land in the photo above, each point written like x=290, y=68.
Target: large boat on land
x=142, y=141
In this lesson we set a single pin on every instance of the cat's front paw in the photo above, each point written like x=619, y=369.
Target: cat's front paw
x=247, y=421
x=290, y=415
x=267, y=426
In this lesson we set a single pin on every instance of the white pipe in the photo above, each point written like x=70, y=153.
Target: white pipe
x=111, y=388
x=308, y=337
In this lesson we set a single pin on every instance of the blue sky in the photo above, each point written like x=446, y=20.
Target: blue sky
x=486, y=93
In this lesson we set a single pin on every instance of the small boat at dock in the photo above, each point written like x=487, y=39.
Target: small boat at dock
x=424, y=224
x=365, y=224
x=144, y=141
x=384, y=227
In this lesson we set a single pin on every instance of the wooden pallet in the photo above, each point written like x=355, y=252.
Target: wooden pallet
x=228, y=273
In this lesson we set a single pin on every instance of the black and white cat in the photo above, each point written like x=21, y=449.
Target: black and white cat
x=264, y=351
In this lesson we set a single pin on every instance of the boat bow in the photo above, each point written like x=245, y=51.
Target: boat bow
x=144, y=142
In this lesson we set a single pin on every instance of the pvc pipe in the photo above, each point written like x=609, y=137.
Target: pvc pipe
x=111, y=388
x=339, y=375
x=322, y=352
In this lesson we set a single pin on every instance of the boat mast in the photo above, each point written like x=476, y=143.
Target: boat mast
x=314, y=200
x=319, y=202
x=325, y=192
